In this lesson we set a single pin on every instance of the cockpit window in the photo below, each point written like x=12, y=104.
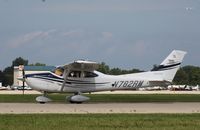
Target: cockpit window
x=89, y=74
x=58, y=71
x=82, y=74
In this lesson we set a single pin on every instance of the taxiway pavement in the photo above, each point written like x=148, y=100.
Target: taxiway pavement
x=29, y=108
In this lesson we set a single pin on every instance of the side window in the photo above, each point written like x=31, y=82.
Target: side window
x=84, y=74
x=75, y=74
x=89, y=74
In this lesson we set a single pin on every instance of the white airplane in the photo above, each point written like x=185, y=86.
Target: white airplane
x=81, y=77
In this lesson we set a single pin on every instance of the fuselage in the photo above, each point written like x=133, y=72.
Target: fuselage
x=51, y=82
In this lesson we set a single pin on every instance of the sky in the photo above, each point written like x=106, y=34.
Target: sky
x=122, y=33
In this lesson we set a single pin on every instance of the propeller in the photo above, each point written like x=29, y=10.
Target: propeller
x=23, y=81
x=21, y=68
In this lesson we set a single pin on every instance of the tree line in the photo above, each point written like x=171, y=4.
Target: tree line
x=187, y=75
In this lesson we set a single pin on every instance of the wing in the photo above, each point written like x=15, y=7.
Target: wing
x=82, y=65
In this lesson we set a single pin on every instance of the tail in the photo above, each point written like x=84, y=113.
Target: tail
x=170, y=65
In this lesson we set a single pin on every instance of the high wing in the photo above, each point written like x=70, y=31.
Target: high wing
x=82, y=65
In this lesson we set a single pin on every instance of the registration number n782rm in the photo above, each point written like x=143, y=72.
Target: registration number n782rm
x=128, y=84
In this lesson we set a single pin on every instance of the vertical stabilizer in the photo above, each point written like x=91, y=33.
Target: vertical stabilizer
x=171, y=64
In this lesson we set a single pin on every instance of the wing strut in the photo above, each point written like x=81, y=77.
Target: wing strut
x=65, y=74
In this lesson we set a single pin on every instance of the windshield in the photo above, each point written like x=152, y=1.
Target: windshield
x=58, y=71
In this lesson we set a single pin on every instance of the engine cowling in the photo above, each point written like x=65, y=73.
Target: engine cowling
x=77, y=99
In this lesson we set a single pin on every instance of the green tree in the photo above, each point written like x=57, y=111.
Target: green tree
x=8, y=76
x=181, y=77
x=115, y=71
x=193, y=74
x=1, y=76
x=19, y=61
x=135, y=71
x=104, y=68
x=37, y=64
x=155, y=67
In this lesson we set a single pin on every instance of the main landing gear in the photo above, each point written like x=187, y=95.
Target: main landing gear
x=76, y=98
x=43, y=99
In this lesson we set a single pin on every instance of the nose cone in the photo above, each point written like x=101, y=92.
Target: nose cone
x=29, y=83
x=34, y=84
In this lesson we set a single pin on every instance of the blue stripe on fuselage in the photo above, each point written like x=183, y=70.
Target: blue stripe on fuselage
x=51, y=77
x=48, y=75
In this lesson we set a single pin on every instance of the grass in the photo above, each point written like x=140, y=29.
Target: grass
x=60, y=98
x=100, y=122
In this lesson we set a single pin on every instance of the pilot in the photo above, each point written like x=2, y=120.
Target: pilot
x=59, y=72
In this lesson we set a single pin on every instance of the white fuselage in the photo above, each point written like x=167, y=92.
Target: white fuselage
x=50, y=82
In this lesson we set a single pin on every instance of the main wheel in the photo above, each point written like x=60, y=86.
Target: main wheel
x=42, y=102
x=72, y=102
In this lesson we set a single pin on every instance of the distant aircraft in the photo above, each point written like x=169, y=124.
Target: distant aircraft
x=81, y=77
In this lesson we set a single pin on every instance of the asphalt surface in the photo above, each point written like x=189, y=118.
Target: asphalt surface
x=29, y=108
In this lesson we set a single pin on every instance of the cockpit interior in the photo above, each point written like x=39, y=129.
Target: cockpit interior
x=75, y=73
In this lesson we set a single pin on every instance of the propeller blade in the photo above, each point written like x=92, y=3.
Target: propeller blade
x=23, y=85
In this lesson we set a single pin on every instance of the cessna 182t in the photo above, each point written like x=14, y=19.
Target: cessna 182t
x=81, y=76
